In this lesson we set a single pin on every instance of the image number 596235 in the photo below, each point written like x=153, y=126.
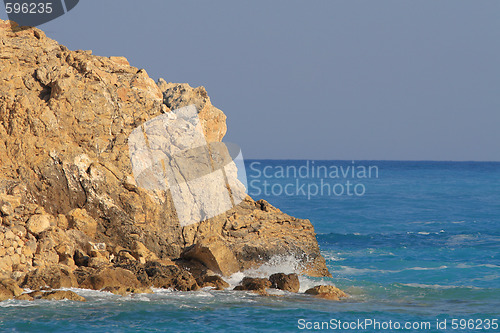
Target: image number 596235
x=28, y=8
x=31, y=13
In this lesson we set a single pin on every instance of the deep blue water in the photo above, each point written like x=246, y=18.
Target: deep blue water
x=421, y=244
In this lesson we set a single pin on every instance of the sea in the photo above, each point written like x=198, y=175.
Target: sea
x=415, y=245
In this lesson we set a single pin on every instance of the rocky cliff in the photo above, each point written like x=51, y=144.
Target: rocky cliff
x=68, y=198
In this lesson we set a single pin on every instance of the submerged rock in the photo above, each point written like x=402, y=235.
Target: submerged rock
x=56, y=295
x=63, y=294
x=124, y=291
x=327, y=292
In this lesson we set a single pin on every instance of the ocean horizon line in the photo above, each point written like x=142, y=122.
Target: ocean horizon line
x=367, y=160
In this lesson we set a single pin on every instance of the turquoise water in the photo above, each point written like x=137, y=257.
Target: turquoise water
x=420, y=245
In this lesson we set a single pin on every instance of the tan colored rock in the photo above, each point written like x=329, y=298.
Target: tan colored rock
x=39, y=223
x=6, y=208
x=8, y=203
x=5, y=264
x=79, y=219
x=54, y=277
x=9, y=235
x=124, y=291
x=98, y=262
x=47, y=258
x=111, y=278
x=140, y=251
x=327, y=292
x=9, y=289
x=24, y=297
x=215, y=255
x=254, y=284
x=62, y=221
x=120, y=60
x=125, y=255
x=173, y=277
x=57, y=295
x=213, y=281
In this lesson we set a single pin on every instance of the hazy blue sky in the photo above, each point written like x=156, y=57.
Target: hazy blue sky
x=319, y=79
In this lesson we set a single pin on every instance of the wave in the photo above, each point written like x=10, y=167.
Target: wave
x=280, y=264
x=354, y=271
x=415, y=239
x=462, y=265
x=437, y=286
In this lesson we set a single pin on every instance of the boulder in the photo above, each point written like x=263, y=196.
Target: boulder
x=6, y=208
x=110, y=278
x=81, y=258
x=124, y=291
x=39, y=223
x=327, y=292
x=79, y=219
x=287, y=282
x=54, y=277
x=63, y=294
x=215, y=255
x=213, y=281
x=9, y=289
x=254, y=284
x=142, y=253
x=161, y=276
x=55, y=295
x=24, y=297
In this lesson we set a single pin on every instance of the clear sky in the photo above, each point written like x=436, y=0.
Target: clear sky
x=398, y=80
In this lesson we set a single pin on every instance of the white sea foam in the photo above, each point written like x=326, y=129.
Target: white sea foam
x=346, y=270
x=15, y=303
x=425, y=233
x=460, y=239
x=463, y=265
x=437, y=286
x=279, y=264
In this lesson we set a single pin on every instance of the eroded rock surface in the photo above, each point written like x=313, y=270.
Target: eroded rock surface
x=68, y=198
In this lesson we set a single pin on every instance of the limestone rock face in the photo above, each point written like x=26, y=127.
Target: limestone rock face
x=66, y=177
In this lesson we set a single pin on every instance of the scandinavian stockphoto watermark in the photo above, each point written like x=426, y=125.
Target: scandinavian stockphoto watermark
x=170, y=153
x=32, y=13
x=310, y=178
x=375, y=325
